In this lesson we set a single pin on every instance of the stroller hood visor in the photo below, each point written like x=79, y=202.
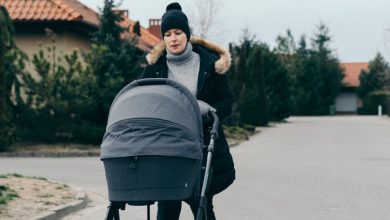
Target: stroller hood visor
x=150, y=137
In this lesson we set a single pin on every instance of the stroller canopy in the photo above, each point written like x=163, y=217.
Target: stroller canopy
x=153, y=117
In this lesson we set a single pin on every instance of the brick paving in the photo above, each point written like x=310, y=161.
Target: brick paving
x=311, y=168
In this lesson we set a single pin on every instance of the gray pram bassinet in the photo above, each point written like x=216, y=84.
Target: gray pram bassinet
x=153, y=146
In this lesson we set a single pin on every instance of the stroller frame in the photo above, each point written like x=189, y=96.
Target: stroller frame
x=119, y=203
x=114, y=207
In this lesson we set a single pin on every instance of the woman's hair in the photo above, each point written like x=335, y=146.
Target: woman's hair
x=174, y=18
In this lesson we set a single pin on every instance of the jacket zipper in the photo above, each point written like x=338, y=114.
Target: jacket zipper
x=202, y=83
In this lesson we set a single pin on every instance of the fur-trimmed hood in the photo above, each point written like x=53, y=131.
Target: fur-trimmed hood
x=222, y=65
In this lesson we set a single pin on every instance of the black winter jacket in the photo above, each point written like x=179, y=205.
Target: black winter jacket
x=213, y=89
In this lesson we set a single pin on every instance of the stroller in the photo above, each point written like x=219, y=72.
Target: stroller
x=153, y=146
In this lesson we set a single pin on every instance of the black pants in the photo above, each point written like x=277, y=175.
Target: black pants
x=170, y=210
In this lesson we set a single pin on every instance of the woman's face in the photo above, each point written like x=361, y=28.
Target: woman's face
x=176, y=41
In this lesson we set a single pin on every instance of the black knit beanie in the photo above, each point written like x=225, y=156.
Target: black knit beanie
x=174, y=18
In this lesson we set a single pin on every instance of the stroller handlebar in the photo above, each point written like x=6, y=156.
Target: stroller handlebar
x=214, y=130
x=152, y=81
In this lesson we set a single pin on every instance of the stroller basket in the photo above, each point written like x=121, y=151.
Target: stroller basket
x=151, y=178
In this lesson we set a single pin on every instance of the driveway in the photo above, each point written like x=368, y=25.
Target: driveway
x=309, y=168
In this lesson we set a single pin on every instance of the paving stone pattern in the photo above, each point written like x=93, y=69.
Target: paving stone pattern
x=311, y=168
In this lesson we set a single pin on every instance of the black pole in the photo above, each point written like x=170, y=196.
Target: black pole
x=148, y=208
x=210, y=151
x=112, y=212
x=202, y=208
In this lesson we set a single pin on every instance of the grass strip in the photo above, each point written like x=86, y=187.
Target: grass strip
x=7, y=194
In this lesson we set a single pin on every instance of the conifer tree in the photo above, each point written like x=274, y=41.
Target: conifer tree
x=114, y=61
x=7, y=127
x=255, y=109
x=376, y=78
x=277, y=85
x=247, y=81
x=317, y=75
x=374, y=88
x=57, y=97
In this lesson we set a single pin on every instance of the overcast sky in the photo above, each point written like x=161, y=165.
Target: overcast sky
x=359, y=28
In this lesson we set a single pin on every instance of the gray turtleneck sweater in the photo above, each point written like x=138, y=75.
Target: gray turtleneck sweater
x=184, y=68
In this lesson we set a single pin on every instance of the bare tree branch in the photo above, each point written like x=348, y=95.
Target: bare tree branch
x=204, y=17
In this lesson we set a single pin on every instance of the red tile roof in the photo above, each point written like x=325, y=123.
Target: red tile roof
x=50, y=10
x=146, y=41
x=352, y=72
x=68, y=10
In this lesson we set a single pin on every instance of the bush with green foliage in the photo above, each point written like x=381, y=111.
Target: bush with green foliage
x=277, y=85
x=377, y=77
x=260, y=84
x=10, y=57
x=69, y=98
x=57, y=97
x=374, y=86
x=315, y=74
x=236, y=133
x=375, y=99
x=247, y=83
x=7, y=194
x=290, y=79
x=114, y=62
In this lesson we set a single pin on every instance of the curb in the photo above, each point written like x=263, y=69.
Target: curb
x=62, y=211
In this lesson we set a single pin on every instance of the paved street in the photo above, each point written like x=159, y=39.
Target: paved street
x=309, y=168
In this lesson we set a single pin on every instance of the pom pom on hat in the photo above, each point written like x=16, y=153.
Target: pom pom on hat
x=174, y=6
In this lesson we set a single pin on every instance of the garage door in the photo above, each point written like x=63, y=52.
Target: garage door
x=347, y=102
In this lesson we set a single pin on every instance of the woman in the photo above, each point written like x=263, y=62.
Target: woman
x=200, y=66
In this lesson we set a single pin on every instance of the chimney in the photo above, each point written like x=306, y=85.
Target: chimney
x=154, y=27
x=122, y=12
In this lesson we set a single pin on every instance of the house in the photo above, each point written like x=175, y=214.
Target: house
x=348, y=102
x=72, y=22
x=146, y=39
